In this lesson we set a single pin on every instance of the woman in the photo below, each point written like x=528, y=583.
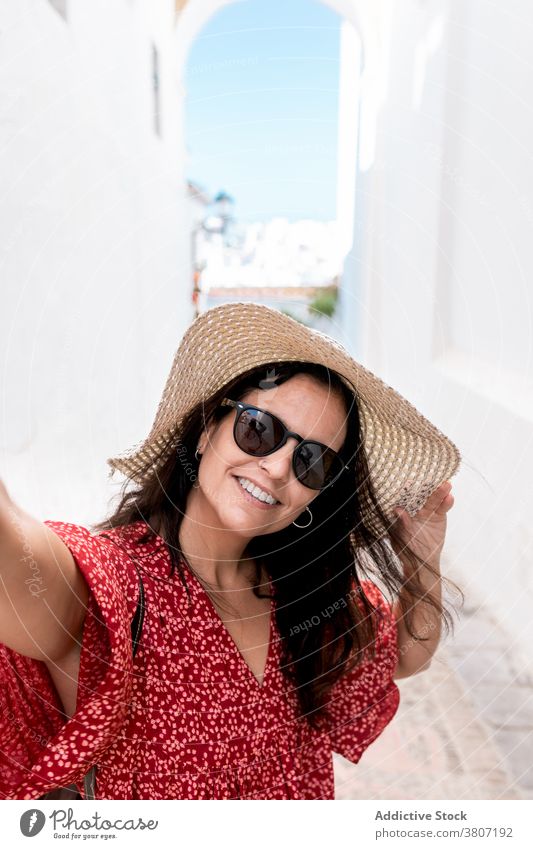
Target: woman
x=217, y=636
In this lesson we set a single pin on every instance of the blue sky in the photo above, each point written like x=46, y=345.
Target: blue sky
x=261, y=108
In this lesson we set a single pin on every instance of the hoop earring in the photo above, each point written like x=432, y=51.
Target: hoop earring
x=196, y=484
x=309, y=523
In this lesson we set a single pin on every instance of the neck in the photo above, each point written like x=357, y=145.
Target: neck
x=217, y=555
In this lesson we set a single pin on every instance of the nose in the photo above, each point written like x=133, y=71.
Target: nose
x=278, y=465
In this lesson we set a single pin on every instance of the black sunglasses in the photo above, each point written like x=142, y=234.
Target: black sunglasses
x=259, y=433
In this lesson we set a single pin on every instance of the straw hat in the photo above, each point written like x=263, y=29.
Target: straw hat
x=408, y=457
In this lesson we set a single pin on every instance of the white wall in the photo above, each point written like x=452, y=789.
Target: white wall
x=94, y=251
x=95, y=258
x=94, y=255
x=443, y=265
x=348, y=130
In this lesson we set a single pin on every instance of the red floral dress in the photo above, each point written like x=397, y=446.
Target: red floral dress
x=185, y=718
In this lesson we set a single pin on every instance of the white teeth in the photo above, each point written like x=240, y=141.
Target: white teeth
x=256, y=491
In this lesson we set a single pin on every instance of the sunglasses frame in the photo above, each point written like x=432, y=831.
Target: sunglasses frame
x=241, y=407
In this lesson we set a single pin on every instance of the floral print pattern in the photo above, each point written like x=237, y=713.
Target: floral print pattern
x=185, y=718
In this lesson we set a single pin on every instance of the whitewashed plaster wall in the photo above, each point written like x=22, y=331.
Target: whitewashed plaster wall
x=441, y=273
x=437, y=298
x=94, y=251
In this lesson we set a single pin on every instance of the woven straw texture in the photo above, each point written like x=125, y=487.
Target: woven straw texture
x=408, y=457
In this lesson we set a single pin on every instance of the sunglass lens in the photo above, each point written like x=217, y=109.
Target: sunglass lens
x=257, y=432
x=315, y=466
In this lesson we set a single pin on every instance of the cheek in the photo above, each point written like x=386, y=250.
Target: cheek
x=221, y=458
x=296, y=497
x=308, y=498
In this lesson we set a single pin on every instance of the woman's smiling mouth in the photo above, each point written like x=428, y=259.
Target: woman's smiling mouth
x=243, y=482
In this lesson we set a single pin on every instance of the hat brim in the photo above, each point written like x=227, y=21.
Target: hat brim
x=408, y=457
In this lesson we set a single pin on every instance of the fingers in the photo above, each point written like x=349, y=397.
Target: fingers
x=439, y=502
x=445, y=505
x=402, y=514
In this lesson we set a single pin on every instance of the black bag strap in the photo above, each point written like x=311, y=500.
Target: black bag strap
x=138, y=616
x=89, y=783
x=89, y=779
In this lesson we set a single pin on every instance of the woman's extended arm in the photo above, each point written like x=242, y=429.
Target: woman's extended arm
x=43, y=595
x=425, y=534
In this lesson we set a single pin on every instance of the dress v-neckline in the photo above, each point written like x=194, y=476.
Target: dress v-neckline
x=220, y=622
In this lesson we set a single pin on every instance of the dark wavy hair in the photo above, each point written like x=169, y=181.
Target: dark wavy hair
x=326, y=622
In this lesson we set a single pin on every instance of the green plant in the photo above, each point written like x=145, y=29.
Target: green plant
x=325, y=302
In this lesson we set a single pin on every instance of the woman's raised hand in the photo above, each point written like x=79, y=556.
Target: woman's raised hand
x=425, y=532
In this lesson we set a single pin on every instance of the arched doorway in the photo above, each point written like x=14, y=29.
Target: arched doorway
x=358, y=98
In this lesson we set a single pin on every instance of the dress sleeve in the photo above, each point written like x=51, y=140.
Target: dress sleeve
x=41, y=748
x=363, y=701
